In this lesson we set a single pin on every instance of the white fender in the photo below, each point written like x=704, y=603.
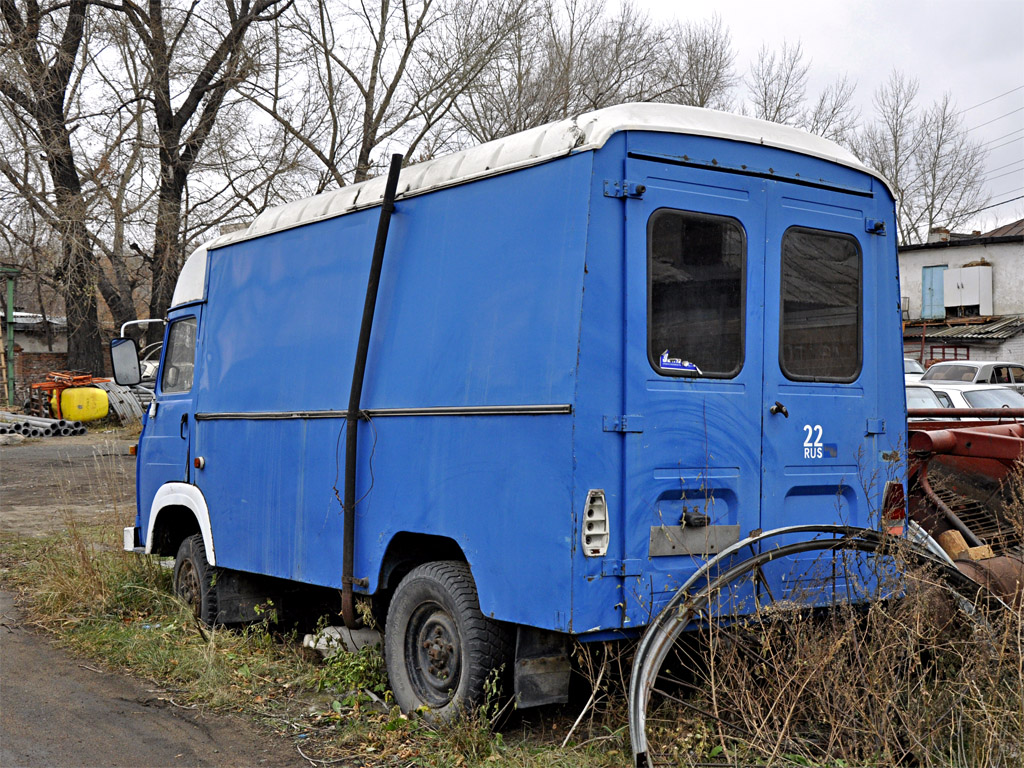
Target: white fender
x=182, y=495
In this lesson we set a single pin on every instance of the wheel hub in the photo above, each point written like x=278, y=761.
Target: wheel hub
x=188, y=586
x=434, y=660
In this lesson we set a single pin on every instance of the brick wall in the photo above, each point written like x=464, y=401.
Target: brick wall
x=1011, y=350
x=32, y=367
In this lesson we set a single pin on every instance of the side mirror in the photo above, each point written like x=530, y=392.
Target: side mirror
x=124, y=356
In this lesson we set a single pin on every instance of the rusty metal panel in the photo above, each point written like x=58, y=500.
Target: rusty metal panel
x=667, y=540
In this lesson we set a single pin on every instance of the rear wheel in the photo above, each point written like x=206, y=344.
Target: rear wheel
x=440, y=648
x=194, y=579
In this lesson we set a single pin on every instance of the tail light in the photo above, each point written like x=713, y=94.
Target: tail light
x=894, y=508
x=595, y=525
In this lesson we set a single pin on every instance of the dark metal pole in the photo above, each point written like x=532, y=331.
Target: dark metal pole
x=354, y=413
x=12, y=274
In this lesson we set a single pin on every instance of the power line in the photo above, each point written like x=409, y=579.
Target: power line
x=981, y=125
x=1006, y=144
x=993, y=141
x=994, y=205
x=1018, y=160
x=1008, y=173
x=1011, y=191
x=1012, y=90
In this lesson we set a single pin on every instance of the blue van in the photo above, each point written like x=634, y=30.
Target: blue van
x=602, y=351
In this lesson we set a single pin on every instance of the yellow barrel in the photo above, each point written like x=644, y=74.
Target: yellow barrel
x=84, y=403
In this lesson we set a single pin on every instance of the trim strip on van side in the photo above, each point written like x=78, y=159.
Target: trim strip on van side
x=373, y=413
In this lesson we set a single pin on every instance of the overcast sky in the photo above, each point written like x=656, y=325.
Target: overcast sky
x=972, y=48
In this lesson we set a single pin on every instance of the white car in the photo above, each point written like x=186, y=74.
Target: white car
x=922, y=396
x=912, y=370
x=977, y=372
x=975, y=395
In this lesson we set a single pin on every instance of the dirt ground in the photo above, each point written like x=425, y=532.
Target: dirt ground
x=56, y=710
x=90, y=477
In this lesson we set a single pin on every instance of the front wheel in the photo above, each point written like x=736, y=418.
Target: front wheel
x=440, y=648
x=195, y=579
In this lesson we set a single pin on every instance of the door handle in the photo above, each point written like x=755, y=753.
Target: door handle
x=184, y=427
x=779, y=408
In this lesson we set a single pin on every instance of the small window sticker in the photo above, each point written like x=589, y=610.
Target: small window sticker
x=676, y=364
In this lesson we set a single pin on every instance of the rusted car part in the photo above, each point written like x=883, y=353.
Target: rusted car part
x=652, y=679
x=957, y=478
x=44, y=396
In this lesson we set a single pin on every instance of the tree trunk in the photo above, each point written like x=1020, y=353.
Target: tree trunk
x=166, y=248
x=78, y=269
x=78, y=286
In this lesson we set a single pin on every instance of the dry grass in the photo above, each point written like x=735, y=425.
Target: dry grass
x=912, y=680
x=922, y=674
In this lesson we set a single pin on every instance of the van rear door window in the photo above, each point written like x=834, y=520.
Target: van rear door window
x=696, y=287
x=821, y=306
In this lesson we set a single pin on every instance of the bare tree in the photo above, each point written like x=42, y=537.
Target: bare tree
x=574, y=57
x=951, y=167
x=38, y=81
x=777, y=86
x=935, y=168
x=833, y=114
x=703, y=52
x=356, y=75
x=192, y=57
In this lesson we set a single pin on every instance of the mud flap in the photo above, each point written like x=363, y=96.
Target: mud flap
x=542, y=667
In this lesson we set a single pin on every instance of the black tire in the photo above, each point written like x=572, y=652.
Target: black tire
x=440, y=649
x=195, y=579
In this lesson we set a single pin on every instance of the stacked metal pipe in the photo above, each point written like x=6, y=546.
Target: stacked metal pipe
x=37, y=426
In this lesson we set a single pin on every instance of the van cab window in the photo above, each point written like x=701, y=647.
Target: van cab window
x=179, y=359
x=696, y=287
x=821, y=306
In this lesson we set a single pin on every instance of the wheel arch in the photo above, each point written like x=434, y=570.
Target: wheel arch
x=178, y=511
x=407, y=550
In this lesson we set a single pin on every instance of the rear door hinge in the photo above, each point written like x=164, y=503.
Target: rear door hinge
x=622, y=568
x=615, y=188
x=873, y=226
x=623, y=424
x=875, y=427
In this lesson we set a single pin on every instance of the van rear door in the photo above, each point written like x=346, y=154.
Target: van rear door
x=693, y=372
x=821, y=357
x=752, y=362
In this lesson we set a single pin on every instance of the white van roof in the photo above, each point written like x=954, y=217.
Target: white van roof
x=586, y=132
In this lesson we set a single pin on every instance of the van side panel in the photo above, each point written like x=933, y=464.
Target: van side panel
x=479, y=306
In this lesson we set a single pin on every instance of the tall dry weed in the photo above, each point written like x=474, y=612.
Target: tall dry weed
x=918, y=670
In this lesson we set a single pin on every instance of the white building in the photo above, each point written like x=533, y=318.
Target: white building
x=963, y=295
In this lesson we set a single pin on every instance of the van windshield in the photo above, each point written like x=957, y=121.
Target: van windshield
x=950, y=373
